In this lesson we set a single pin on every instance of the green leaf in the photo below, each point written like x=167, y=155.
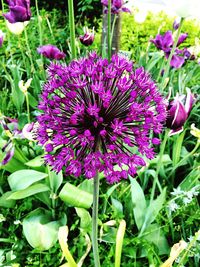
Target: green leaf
x=155, y=235
x=139, y=203
x=39, y=229
x=5, y=202
x=29, y=191
x=153, y=210
x=36, y=162
x=86, y=220
x=117, y=208
x=24, y=178
x=55, y=180
x=76, y=197
x=190, y=180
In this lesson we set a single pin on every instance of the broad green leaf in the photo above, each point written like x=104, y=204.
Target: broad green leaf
x=39, y=229
x=86, y=220
x=24, y=178
x=153, y=210
x=29, y=191
x=76, y=197
x=5, y=202
x=55, y=180
x=154, y=234
x=156, y=56
x=87, y=185
x=139, y=203
x=36, y=162
x=13, y=165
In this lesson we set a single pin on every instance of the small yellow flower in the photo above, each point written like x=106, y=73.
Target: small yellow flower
x=195, y=131
x=24, y=87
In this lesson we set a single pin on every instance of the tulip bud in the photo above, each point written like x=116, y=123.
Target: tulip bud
x=178, y=112
x=176, y=24
x=16, y=28
x=24, y=87
x=1, y=38
x=88, y=38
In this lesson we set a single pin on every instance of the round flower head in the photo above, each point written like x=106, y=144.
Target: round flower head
x=95, y=114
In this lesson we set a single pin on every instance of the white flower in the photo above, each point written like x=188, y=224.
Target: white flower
x=24, y=86
x=184, y=8
x=173, y=206
x=2, y=218
x=177, y=192
x=187, y=200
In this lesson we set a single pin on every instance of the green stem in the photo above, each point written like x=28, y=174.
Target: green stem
x=159, y=163
x=19, y=154
x=2, y=4
x=166, y=70
x=72, y=28
x=109, y=31
x=112, y=31
x=28, y=108
x=39, y=21
x=29, y=50
x=95, y=221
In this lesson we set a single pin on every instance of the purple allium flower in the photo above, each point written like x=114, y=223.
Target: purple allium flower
x=117, y=6
x=178, y=111
x=88, y=38
x=19, y=11
x=95, y=113
x=51, y=52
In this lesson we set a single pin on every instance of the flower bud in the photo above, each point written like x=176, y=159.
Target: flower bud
x=176, y=24
x=24, y=87
x=16, y=28
x=88, y=38
x=1, y=38
x=178, y=112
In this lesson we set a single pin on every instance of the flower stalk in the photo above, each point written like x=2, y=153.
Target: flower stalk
x=166, y=69
x=72, y=28
x=95, y=221
x=109, y=37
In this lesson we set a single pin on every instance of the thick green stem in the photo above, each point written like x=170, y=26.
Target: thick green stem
x=166, y=70
x=109, y=37
x=95, y=221
x=72, y=28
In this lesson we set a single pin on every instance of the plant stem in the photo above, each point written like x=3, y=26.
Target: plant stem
x=159, y=163
x=72, y=28
x=109, y=37
x=28, y=108
x=95, y=221
x=29, y=50
x=166, y=70
x=39, y=21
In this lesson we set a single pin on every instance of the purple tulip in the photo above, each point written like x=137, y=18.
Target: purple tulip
x=51, y=52
x=178, y=111
x=164, y=42
x=117, y=6
x=88, y=38
x=19, y=11
x=8, y=156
